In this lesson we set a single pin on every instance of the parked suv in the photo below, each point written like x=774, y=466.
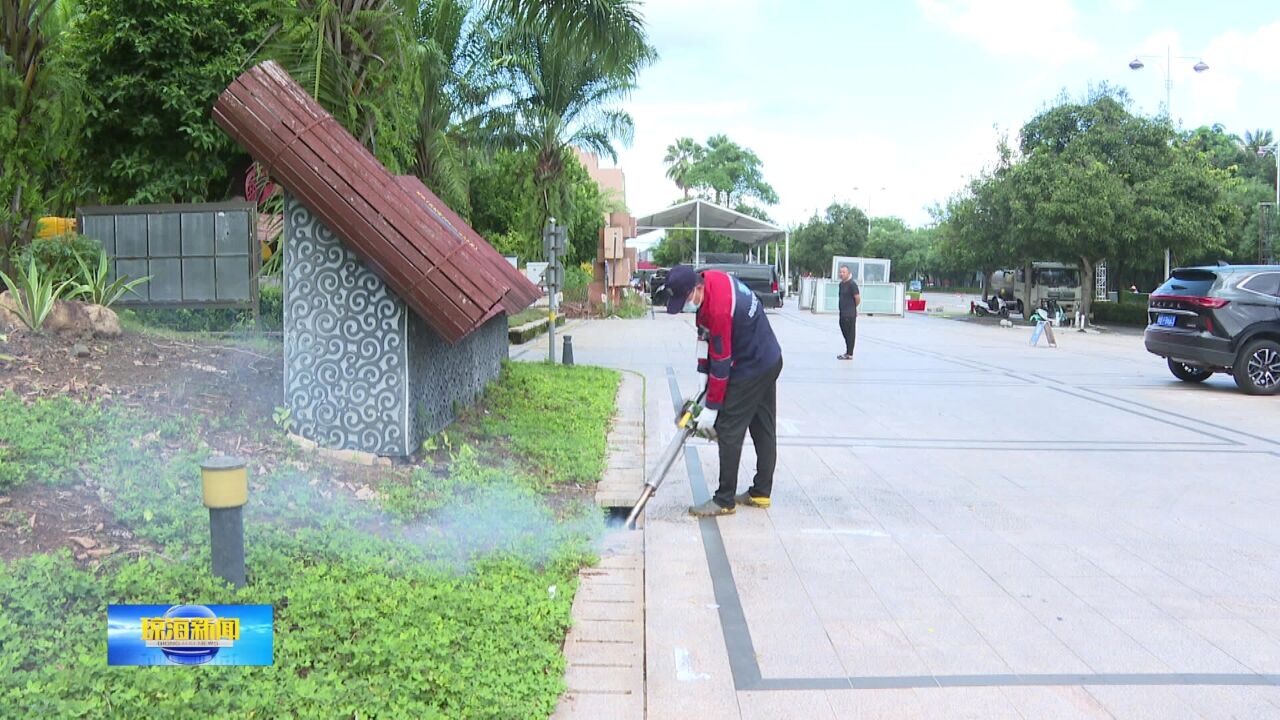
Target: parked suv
x=761, y=278
x=1205, y=320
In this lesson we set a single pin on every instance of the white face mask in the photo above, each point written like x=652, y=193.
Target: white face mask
x=690, y=307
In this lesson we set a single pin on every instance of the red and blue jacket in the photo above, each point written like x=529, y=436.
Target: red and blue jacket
x=740, y=342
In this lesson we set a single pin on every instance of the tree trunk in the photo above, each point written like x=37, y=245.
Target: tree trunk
x=1027, y=309
x=1086, y=290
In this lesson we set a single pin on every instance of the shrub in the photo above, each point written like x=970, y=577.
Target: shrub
x=576, y=276
x=1132, y=314
x=198, y=320
x=92, y=283
x=34, y=294
x=633, y=305
x=59, y=257
x=271, y=307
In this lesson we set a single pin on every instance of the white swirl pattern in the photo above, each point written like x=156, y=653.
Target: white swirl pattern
x=344, y=346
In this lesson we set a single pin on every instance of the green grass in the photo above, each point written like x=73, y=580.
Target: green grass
x=458, y=611
x=43, y=440
x=354, y=638
x=555, y=418
x=527, y=316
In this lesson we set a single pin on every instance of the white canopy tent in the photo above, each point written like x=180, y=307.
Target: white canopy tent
x=698, y=214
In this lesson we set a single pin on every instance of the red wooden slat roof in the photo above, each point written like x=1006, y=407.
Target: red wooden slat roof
x=441, y=268
x=522, y=292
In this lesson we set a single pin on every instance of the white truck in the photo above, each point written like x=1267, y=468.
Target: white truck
x=1050, y=281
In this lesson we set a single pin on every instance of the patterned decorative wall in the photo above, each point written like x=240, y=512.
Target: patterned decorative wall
x=362, y=371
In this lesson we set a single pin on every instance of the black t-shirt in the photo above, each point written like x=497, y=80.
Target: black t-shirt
x=848, y=303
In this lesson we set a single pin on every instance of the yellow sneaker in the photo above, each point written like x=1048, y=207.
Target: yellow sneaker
x=750, y=501
x=709, y=509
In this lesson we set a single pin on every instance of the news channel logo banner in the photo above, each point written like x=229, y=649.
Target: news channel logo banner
x=189, y=635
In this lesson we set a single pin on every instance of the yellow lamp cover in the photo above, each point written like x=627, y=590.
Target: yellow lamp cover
x=224, y=482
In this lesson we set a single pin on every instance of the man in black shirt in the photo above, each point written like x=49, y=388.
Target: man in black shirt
x=850, y=299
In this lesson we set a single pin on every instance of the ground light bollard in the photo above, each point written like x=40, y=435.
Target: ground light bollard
x=224, y=482
x=568, y=351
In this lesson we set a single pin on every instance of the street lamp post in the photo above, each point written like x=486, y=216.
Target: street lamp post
x=869, y=193
x=1274, y=149
x=1199, y=67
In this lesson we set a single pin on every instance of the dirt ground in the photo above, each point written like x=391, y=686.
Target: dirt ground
x=165, y=377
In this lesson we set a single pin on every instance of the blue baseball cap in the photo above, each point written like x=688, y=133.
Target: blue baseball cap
x=681, y=280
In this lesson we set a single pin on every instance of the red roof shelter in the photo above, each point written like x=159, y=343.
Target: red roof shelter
x=442, y=269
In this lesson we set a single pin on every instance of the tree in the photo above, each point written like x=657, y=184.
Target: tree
x=357, y=59
x=611, y=30
x=975, y=230
x=562, y=89
x=1256, y=140
x=1097, y=182
x=681, y=157
x=39, y=118
x=728, y=174
x=457, y=59
x=841, y=230
x=152, y=70
x=507, y=207
x=910, y=249
x=1257, y=164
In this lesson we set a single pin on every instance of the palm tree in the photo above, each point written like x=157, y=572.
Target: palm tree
x=355, y=58
x=457, y=52
x=682, y=155
x=614, y=29
x=1255, y=140
x=562, y=93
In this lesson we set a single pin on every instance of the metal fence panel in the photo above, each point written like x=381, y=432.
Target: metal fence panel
x=197, y=233
x=198, y=255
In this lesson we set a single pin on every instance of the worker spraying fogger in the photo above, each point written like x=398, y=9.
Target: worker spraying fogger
x=742, y=364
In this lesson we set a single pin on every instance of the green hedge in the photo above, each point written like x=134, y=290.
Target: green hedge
x=1109, y=313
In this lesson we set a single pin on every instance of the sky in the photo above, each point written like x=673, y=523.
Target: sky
x=894, y=106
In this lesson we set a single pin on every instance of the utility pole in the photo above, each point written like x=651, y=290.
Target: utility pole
x=553, y=245
x=1199, y=67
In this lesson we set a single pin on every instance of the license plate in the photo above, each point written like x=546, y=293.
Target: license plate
x=1167, y=320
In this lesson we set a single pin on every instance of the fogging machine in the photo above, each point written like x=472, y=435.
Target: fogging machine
x=684, y=429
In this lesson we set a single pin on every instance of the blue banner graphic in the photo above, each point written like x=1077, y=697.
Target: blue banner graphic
x=189, y=635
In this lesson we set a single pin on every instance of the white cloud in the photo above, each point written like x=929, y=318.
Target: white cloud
x=1243, y=75
x=1239, y=62
x=1044, y=30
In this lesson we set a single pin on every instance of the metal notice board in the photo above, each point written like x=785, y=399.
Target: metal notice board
x=198, y=255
